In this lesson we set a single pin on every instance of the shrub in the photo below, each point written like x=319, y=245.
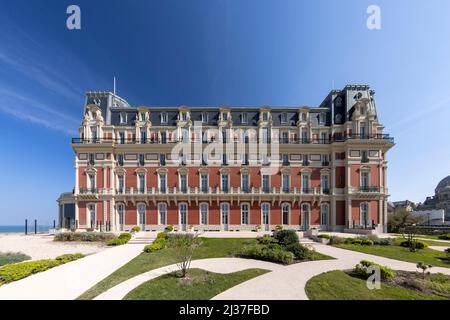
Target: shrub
x=12, y=257
x=17, y=271
x=367, y=242
x=123, y=238
x=273, y=254
x=161, y=235
x=356, y=241
x=444, y=236
x=266, y=240
x=169, y=228
x=362, y=269
x=278, y=227
x=84, y=236
x=155, y=246
x=324, y=236
x=300, y=251
x=69, y=257
x=286, y=237
x=414, y=245
x=136, y=229
x=336, y=240
x=383, y=242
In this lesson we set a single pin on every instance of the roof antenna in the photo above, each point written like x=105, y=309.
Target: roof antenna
x=114, y=85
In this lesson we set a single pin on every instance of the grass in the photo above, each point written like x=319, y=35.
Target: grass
x=202, y=285
x=337, y=285
x=428, y=256
x=12, y=257
x=211, y=248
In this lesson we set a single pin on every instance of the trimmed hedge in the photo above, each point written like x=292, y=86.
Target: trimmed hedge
x=169, y=228
x=84, y=236
x=17, y=271
x=362, y=269
x=123, y=238
x=300, y=251
x=12, y=257
x=444, y=236
x=158, y=244
x=266, y=240
x=273, y=253
x=136, y=229
x=324, y=236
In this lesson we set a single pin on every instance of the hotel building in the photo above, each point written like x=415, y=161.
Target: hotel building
x=230, y=168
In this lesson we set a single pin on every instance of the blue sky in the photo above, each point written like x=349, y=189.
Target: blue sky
x=211, y=52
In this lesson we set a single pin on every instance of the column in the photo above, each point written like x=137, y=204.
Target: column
x=385, y=216
x=349, y=213
x=380, y=211
x=333, y=213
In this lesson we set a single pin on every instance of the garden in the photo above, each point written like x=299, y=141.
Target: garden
x=395, y=285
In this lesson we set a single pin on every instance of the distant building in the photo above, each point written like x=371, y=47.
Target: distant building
x=431, y=217
x=406, y=204
x=440, y=200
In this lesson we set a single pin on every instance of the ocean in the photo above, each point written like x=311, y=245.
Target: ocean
x=21, y=229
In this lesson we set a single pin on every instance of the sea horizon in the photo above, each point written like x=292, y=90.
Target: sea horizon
x=21, y=228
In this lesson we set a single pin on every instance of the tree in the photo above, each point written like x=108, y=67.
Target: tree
x=424, y=267
x=401, y=218
x=184, y=246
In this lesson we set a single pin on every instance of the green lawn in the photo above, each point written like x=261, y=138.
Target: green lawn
x=337, y=285
x=211, y=248
x=203, y=285
x=426, y=255
x=12, y=257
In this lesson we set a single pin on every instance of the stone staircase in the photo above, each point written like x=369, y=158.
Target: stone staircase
x=142, y=238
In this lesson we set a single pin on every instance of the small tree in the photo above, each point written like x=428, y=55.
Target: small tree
x=424, y=267
x=184, y=246
x=402, y=218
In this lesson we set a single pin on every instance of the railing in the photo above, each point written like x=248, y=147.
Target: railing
x=369, y=189
x=342, y=138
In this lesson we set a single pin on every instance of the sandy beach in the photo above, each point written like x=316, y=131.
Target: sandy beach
x=43, y=246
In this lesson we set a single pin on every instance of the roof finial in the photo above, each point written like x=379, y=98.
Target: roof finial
x=114, y=85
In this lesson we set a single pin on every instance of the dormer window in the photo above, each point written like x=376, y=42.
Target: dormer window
x=183, y=116
x=265, y=116
x=244, y=118
x=284, y=117
x=225, y=116
x=94, y=115
x=204, y=117
x=164, y=117
x=304, y=116
x=123, y=117
x=322, y=118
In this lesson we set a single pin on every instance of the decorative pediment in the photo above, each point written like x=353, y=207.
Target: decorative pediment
x=244, y=171
x=182, y=171
x=306, y=170
x=120, y=170
x=224, y=170
x=90, y=170
x=325, y=171
x=161, y=171
x=365, y=169
x=141, y=171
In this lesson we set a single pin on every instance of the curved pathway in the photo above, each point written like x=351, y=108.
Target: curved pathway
x=218, y=265
x=283, y=282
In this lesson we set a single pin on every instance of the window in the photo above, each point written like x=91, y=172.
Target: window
x=265, y=116
x=224, y=116
x=204, y=117
x=183, y=213
x=224, y=136
x=285, y=137
x=364, y=157
x=285, y=211
x=183, y=116
x=185, y=135
x=141, y=159
x=304, y=116
x=122, y=137
x=141, y=213
x=141, y=183
x=265, y=135
x=92, y=215
x=284, y=118
x=94, y=134
x=285, y=183
x=304, y=136
x=325, y=184
x=162, y=159
x=224, y=159
x=162, y=183
x=225, y=183
x=323, y=137
x=120, y=160
x=143, y=136
x=91, y=178
x=204, y=183
x=204, y=159
x=265, y=183
x=364, y=218
x=225, y=210
x=163, y=137
x=322, y=117
x=245, y=161
x=363, y=130
x=245, y=183
x=244, y=118
x=121, y=213
x=91, y=159
x=164, y=117
x=324, y=214
x=338, y=118
x=265, y=212
x=183, y=183
x=285, y=159
x=364, y=180
x=204, y=213
x=305, y=183
x=162, y=213
x=123, y=117
x=121, y=184
x=245, y=213
x=183, y=159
